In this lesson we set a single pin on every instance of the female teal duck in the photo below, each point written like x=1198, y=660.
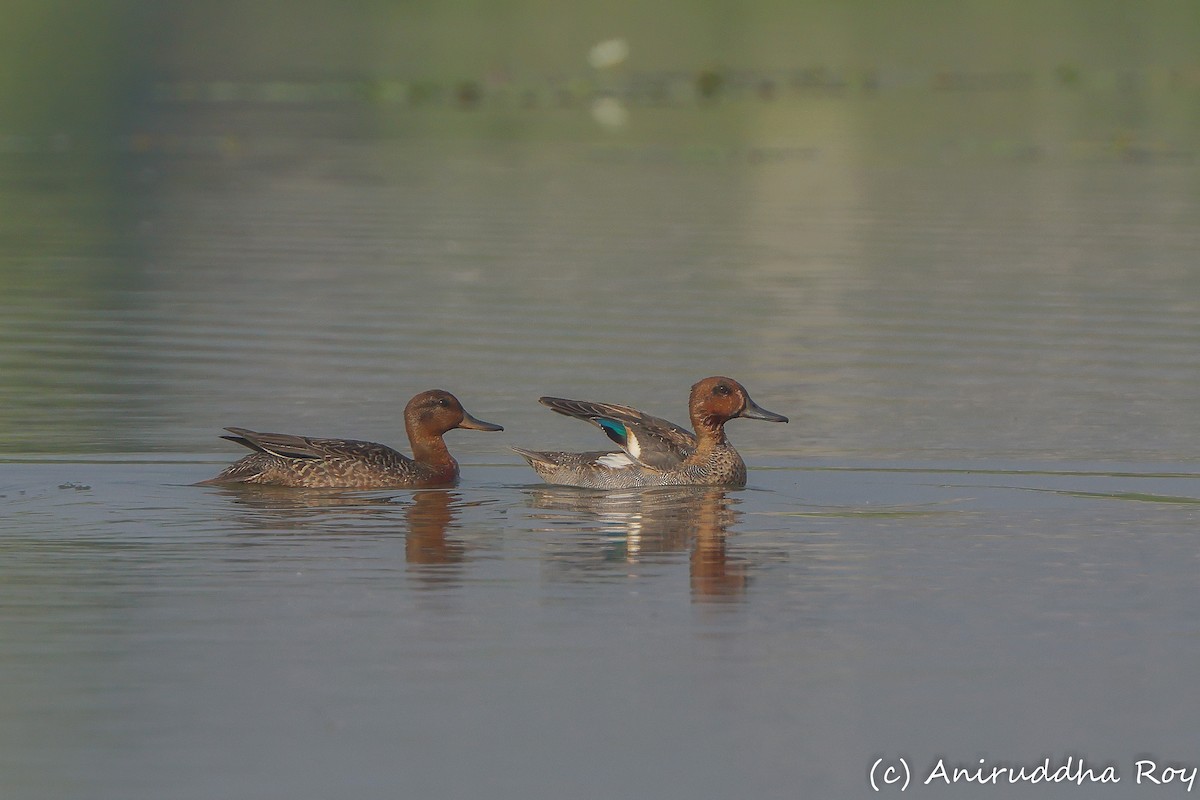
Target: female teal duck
x=281, y=459
x=655, y=452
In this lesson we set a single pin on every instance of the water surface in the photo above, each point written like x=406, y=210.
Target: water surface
x=974, y=540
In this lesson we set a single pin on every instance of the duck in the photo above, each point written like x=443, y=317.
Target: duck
x=655, y=452
x=282, y=459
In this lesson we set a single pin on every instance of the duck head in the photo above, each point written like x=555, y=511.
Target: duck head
x=716, y=400
x=437, y=411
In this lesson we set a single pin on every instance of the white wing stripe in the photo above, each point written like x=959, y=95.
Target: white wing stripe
x=616, y=461
x=632, y=444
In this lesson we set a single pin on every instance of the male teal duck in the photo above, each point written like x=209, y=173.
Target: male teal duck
x=282, y=459
x=655, y=452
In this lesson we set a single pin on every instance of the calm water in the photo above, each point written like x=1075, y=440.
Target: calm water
x=976, y=538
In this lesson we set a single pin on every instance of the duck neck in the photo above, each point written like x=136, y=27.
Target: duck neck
x=710, y=432
x=430, y=450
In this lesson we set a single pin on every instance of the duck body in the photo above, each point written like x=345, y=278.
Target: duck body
x=609, y=470
x=287, y=460
x=282, y=459
x=655, y=452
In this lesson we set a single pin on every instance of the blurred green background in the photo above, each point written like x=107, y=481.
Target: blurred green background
x=95, y=70
x=87, y=88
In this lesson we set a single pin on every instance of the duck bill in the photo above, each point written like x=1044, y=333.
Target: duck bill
x=754, y=411
x=477, y=424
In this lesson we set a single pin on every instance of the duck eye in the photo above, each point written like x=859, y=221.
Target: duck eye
x=721, y=389
x=443, y=402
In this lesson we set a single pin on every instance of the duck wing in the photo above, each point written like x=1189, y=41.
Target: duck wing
x=286, y=445
x=650, y=441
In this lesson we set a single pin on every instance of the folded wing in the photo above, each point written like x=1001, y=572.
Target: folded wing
x=286, y=445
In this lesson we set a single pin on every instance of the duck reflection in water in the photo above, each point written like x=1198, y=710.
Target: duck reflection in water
x=428, y=516
x=651, y=525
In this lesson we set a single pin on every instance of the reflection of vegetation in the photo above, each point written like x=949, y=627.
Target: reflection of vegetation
x=65, y=269
x=83, y=67
x=1067, y=74
x=101, y=102
x=85, y=72
x=68, y=77
x=61, y=208
x=1140, y=497
x=709, y=83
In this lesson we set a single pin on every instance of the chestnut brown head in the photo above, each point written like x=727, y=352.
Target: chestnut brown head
x=718, y=399
x=437, y=411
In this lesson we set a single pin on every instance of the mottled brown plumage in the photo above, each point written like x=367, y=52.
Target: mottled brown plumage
x=655, y=452
x=282, y=459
